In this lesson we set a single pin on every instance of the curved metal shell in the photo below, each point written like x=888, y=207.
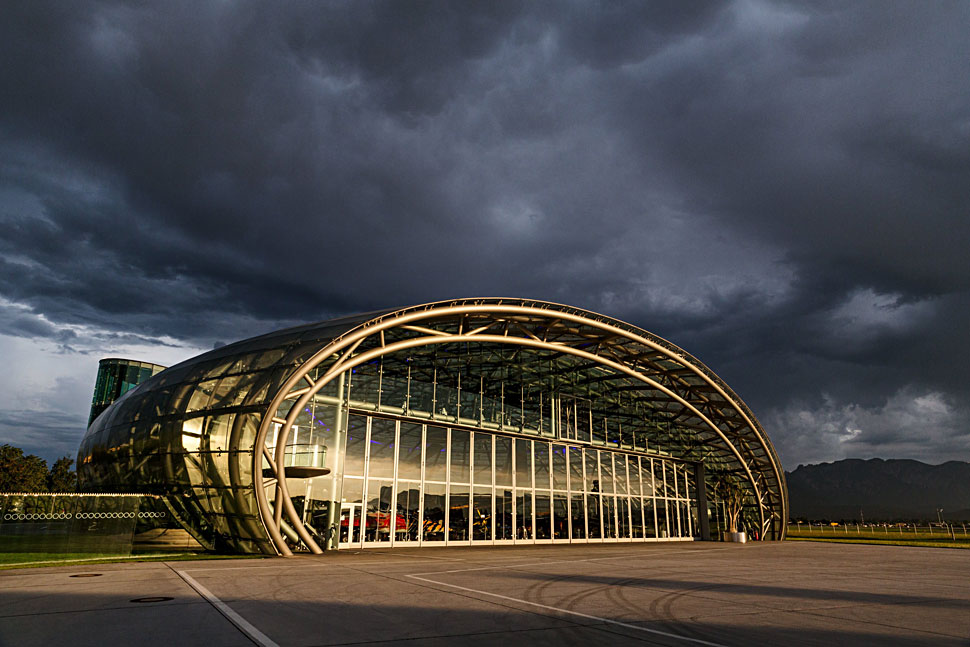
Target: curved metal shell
x=202, y=432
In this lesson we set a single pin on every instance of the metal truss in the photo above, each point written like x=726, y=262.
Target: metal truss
x=702, y=418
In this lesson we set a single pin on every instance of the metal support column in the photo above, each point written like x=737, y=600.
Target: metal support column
x=702, y=520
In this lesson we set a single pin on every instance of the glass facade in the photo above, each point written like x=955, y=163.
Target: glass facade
x=115, y=378
x=420, y=484
x=418, y=426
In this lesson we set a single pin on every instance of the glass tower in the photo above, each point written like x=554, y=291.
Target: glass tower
x=115, y=378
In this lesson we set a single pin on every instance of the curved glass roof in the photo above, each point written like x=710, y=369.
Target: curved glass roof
x=512, y=347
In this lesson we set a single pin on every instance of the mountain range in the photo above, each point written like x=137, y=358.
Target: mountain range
x=880, y=490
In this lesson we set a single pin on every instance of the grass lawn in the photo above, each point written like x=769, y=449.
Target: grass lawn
x=926, y=543
x=38, y=560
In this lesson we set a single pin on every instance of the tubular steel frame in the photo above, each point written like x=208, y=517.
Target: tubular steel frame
x=625, y=349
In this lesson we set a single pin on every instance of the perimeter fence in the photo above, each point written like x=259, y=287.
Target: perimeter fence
x=915, y=532
x=101, y=524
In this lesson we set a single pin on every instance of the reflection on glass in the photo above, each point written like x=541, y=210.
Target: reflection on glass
x=646, y=476
x=606, y=471
x=649, y=523
x=483, y=459
x=599, y=431
x=406, y=525
x=560, y=516
x=543, y=515
x=503, y=461
x=504, y=523
x=619, y=473
x=633, y=465
x=592, y=472
x=576, y=470
x=378, y=526
x=593, y=516
x=559, y=467
x=542, y=466
x=458, y=513
x=662, y=527
x=636, y=516
x=436, y=454
x=350, y=516
x=609, y=517
x=578, y=510
x=523, y=514
x=482, y=516
x=583, y=420
x=523, y=463
x=623, y=517
x=381, y=448
x=356, y=444
x=460, y=455
x=434, y=512
x=409, y=462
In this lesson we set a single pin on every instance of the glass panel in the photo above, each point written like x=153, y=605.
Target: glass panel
x=578, y=510
x=636, y=516
x=609, y=517
x=482, y=517
x=458, y=513
x=364, y=382
x=470, y=398
x=599, y=431
x=559, y=467
x=542, y=468
x=523, y=464
x=543, y=516
x=504, y=526
x=409, y=455
x=583, y=420
x=460, y=456
x=406, y=524
x=634, y=470
x=606, y=471
x=381, y=448
x=523, y=514
x=420, y=397
x=646, y=476
x=483, y=459
x=356, y=444
x=576, y=470
x=560, y=516
x=659, y=486
x=593, y=515
x=352, y=493
x=623, y=516
x=662, y=519
x=503, y=462
x=434, y=511
x=592, y=474
x=378, y=511
x=436, y=455
x=650, y=530
x=619, y=473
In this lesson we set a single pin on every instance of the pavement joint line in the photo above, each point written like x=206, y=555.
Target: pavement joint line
x=572, y=613
x=241, y=623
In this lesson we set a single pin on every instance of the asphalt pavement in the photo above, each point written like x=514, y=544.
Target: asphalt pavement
x=791, y=593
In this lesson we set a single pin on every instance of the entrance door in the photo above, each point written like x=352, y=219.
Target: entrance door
x=349, y=525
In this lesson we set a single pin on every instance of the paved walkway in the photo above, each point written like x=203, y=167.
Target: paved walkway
x=792, y=593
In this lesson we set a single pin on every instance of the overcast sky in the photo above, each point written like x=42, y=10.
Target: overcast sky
x=781, y=189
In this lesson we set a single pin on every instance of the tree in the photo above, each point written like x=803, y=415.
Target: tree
x=61, y=477
x=729, y=490
x=19, y=473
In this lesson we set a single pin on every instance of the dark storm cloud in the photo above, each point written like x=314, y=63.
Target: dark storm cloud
x=783, y=189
